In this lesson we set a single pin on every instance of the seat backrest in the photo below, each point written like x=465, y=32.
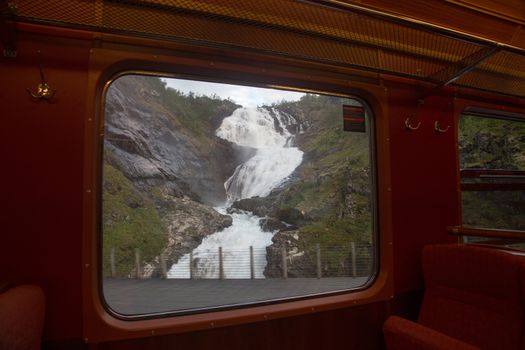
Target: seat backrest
x=21, y=318
x=474, y=294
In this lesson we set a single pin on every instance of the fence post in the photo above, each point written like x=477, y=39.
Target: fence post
x=318, y=255
x=284, y=262
x=137, y=262
x=191, y=265
x=163, y=266
x=221, y=267
x=252, y=267
x=112, y=263
x=354, y=268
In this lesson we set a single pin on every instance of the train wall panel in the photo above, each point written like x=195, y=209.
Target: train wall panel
x=41, y=151
x=41, y=205
x=424, y=178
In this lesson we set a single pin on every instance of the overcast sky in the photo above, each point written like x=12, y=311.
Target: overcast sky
x=244, y=95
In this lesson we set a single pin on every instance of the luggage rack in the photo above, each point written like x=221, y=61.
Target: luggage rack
x=329, y=32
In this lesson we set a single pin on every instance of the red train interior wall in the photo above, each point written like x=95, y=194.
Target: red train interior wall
x=41, y=208
x=424, y=179
x=41, y=151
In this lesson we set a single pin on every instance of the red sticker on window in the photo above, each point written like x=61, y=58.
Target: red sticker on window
x=354, y=118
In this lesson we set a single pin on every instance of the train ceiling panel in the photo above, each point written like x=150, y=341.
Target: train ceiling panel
x=504, y=72
x=323, y=31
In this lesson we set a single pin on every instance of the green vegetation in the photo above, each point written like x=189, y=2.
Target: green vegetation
x=494, y=209
x=488, y=143
x=334, y=192
x=195, y=113
x=135, y=208
x=130, y=220
x=336, y=163
x=335, y=238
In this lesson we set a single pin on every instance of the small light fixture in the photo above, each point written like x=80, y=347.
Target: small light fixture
x=44, y=91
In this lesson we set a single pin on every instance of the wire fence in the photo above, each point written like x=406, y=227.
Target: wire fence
x=351, y=260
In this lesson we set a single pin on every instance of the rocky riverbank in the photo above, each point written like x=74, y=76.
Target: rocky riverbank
x=188, y=223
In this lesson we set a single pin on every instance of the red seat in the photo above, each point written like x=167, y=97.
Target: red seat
x=473, y=299
x=21, y=318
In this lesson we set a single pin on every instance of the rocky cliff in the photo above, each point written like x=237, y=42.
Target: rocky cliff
x=164, y=170
x=148, y=140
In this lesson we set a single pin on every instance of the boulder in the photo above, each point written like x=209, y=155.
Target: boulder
x=189, y=222
x=269, y=224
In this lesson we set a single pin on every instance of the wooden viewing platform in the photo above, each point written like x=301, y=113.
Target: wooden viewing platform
x=147, y=296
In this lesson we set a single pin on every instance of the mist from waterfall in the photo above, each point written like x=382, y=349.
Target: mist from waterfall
x=267, y=131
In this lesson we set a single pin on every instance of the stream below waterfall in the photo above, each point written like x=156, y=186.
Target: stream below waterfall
x=266, y=131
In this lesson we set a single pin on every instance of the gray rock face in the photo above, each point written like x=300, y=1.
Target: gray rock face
x=146, y=141
x=299, y=263
x=189, y=223
x=269, y=207
x=260, y=206
x=172, y=158
x=270, y=224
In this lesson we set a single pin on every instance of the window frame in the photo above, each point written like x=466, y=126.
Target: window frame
x=108, y=63
x=201, y=310
x=491, y=236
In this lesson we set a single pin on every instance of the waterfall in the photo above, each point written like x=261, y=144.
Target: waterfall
x=266, y=130
x=273, y=162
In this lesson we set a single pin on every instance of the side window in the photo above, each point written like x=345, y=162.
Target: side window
x=492, y=165
x=219, y=195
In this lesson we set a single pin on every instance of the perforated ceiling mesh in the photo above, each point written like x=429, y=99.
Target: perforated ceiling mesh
x=296, y=29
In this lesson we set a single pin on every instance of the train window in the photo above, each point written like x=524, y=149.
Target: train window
x=492, y=163
x=217, y=195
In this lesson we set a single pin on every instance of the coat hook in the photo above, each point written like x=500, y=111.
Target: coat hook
x=44, y=91
x=437, y=127
x=408, y=123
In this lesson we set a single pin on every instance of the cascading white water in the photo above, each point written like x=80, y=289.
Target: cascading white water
x=235, y=242
x=273, y=161
x=262, y=173
x=266, y=131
